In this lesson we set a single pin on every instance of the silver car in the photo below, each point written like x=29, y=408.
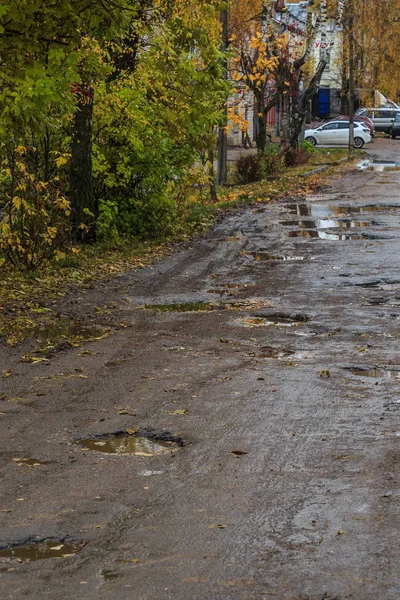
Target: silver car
x=382, y=117
x=338, y=133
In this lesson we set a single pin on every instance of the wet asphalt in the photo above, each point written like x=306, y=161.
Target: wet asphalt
x=269, y=350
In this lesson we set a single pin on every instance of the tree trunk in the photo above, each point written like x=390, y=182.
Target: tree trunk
x=262, y=127
x=222, y=137
x=81, y=191
x=211, y=177
x=285, y=120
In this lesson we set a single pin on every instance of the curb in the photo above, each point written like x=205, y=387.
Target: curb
x=324, y=168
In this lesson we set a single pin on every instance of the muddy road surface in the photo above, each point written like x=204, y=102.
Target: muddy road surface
x=227, y=425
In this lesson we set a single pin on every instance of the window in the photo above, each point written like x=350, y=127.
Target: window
x=329, y=126
x=344, y=126
x=385, y=114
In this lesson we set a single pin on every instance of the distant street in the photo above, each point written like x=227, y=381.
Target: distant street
x=268, y=351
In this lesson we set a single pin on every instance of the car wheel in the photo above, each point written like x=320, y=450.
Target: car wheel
x=312, y=140
x=358, y=142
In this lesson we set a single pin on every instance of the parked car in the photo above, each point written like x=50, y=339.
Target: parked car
x=382, y=117
x=338, y=132
x=395, y=127
x=360, y=119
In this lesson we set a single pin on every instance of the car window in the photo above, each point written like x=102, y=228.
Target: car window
x=385, y=114
x=329, y=126
x=344, y=125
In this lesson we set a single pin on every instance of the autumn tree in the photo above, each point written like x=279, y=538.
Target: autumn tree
x=256, y=46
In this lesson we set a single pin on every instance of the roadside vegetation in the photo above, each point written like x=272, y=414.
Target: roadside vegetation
x=28, y=296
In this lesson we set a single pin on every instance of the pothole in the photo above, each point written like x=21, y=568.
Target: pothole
x=383, y=165
x=40, y=549
x=261, y=256
x=137, y=443
x=278, y=319
x=185, y=307
x=321, y=211
x=327, y=223
x=271, y=352
x=251, y=303
x=29, y=462
x=380, y=301
x=51, y=335
x=374, y=372
x=302, y=233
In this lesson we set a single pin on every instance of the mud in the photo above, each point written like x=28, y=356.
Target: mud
x=286, y=412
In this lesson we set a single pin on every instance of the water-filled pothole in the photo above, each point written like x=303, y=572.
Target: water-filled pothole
x=383, y=165
x=29, y=462
x=326, y=210
x=261, y=256
x=238, y=304
x=303, y=233
x=185, y=307
x=374, y=372
x=327, y=223
x=41, y=549
x=271, y=352
x=65, y=331
x=280, y=319
x=138, y=443
x=380, y=301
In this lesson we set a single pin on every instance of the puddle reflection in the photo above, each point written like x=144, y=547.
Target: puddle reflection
x=376, y=373
x=125, y=443
x=41, y=550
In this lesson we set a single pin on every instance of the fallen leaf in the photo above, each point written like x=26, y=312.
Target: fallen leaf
x=28, y=358
x=179, y=411
x=131, y=431
x=324, y=373
x=7, y=373
x=238, y=452
x=217, y=526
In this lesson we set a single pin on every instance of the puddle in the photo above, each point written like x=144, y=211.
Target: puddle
x=375, y=373
x=303, y=233
x=395, y=302
x=209, y=306
x=39, y=550
x=65, y=331
x=271, y=352
x=383, y=165
x=328, y=235
x=328, y=224
x=29, y=462
x=124, y=443
x=326, y=210
x=278, y=319
x=230, y=285
x=261, y=256
x=185, y=307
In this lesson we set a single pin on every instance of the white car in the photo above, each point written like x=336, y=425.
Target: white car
x=338, y=132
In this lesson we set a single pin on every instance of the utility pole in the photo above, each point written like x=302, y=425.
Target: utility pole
x=351, y=73
x=222, y=137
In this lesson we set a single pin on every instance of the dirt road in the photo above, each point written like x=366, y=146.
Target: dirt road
x=261, y=368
